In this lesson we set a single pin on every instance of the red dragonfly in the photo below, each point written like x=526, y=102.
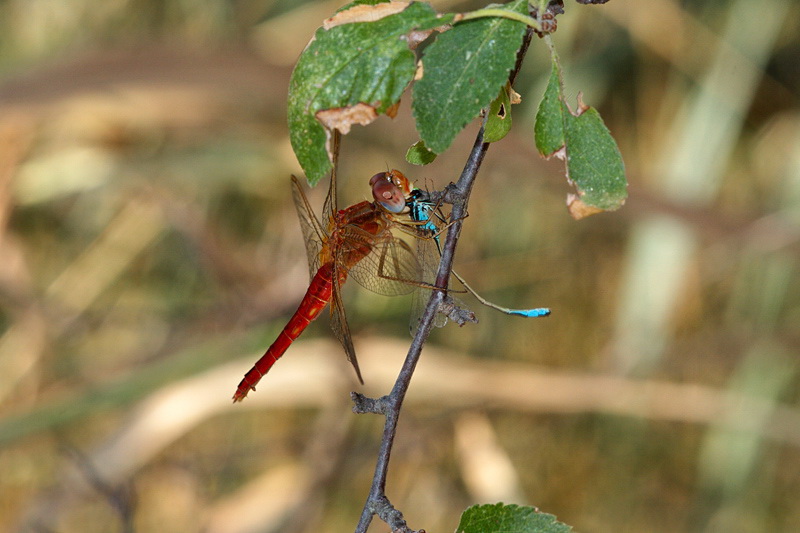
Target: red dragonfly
x=355, y=242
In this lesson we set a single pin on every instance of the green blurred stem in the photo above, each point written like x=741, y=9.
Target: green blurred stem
x=501, y=13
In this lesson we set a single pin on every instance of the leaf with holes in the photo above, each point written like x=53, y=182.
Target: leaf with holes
x=498, y=118
x=354, y=69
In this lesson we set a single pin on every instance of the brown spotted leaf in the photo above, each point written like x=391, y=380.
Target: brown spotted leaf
x=353, y=70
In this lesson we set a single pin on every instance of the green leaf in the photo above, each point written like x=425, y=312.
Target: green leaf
x=593, y=161
x=419, y=154
x=501, y=518
x=348, y=75
x=498, y=119
x=549, y=129
x=463, y=71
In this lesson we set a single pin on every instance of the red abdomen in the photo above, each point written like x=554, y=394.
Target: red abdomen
x=317, y=297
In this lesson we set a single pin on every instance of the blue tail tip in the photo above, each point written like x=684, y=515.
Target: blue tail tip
x=532, y=313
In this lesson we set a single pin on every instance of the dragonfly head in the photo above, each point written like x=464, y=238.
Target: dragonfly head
x=390, y=190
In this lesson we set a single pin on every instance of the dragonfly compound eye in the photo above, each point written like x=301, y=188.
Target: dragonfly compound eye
x=386, y=193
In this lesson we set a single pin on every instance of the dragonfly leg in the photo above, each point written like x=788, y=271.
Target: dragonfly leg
x=383, y=273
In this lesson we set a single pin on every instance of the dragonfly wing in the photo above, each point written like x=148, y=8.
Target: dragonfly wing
x=428, y=257
x=314, y=234
x=340, y=327
x=331, y=206
x=426, y=215
x=390, y=267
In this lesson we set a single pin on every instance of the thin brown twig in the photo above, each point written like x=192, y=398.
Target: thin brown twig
x=458, y=195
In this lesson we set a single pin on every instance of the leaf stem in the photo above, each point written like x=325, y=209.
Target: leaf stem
x=543, y=5
x=501, y=13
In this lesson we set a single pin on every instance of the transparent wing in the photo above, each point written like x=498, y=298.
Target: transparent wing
x=428, y=257
x=340, y=327
x=314, y=234
x=383, y=264
x=424, y=215
x=331, y=201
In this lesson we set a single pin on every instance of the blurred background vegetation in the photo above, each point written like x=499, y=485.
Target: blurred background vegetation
x=149, y=252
